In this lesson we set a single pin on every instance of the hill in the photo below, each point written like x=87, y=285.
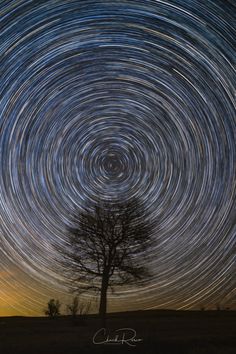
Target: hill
x=147, y=332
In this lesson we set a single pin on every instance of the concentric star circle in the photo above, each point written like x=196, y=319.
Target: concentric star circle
x=114, y=100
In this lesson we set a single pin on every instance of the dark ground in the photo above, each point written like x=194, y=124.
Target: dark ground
x=162, y=332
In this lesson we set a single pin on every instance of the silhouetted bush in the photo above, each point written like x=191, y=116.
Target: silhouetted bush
x=77, y=309
x=53, y=309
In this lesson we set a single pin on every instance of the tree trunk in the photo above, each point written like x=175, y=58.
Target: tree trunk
x=103, y=299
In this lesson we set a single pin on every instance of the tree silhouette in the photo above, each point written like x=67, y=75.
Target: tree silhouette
x=78, y=307
x=105, y=248
x=73, y=308
x=53, y=308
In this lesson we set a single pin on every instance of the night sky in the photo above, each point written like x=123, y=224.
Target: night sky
x=114, y=100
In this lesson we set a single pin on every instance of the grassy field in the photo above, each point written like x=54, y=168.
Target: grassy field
x=162, y=332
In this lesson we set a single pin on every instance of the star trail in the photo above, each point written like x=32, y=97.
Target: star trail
x=114, y=100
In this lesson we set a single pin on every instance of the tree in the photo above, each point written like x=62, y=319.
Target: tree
x=105, y=248
x=73, y=308
x=78, y=307
x=53, y=309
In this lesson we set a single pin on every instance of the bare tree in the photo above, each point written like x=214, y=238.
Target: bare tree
x=106, y=247
x=78, y=307
x=53, y=308
x=73, y=308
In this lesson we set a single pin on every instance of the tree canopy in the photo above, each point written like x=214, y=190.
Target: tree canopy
x=106, y=247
